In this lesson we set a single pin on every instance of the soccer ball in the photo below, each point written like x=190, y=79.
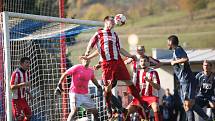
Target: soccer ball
x=120, y=19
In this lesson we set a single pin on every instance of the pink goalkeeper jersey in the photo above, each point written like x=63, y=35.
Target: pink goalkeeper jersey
x=80, y=78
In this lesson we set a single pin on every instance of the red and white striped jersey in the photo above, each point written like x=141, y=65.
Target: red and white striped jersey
x=107, y=43
x=143, y=86
x=19, y=77
x=136, y=65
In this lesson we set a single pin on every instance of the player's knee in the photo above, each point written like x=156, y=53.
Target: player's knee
x=155, y=107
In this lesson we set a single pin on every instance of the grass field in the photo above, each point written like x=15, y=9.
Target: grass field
x=154, y=30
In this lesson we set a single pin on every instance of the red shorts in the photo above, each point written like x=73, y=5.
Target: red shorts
x=20, y=108
x=114, y=70
x=148, y=99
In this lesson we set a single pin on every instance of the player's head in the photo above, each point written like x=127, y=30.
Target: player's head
x=167, y=91
x=25, y=63
x=172, y=41
x=207, y=65
x=140, y=49
x=144, y=62
x=109, y=22
x=84, y=62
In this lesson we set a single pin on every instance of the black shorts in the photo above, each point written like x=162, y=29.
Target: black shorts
x=202, y=101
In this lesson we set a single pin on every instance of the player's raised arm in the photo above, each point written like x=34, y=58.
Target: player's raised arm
x=125, y=53
x=88, y=57
x=91, y=43
x=59, y=88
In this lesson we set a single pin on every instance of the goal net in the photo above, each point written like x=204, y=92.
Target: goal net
x=46, y=41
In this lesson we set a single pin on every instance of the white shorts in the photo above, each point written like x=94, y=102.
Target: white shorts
x=78, y=100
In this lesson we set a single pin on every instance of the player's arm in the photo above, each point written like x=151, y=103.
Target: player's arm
x=59, y=85
x=95, y=82
x=14, y=86
x=155, y=62
x=63, y=76
x=92, y=55
x=97, y=66
x=179, y=61
x=29, y=93
x=126, y=54
x=181, y=56
x=128, y=61
x=154, y=79
x=99, y=87
x=154, y=85
x=91, y=43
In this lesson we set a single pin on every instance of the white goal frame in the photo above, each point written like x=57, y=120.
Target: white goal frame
x=6, y=46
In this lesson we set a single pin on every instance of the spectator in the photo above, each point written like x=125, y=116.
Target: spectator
x=168, y=104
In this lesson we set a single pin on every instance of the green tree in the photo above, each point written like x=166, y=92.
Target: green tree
x=192, y=5
x=97, y=12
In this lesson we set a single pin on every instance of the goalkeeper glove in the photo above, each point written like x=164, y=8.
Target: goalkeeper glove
x=59, y=89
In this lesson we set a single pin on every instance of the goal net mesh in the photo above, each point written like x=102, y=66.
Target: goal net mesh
x=41, y=41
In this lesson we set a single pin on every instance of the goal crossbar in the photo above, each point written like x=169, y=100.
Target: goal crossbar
x=54, y=19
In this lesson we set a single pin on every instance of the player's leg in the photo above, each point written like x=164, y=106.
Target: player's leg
x=197, y=104
x=107, y=75
x=116, y=103
x=107, y=95
x=73, y=106
x=89, y=104
x=212, y=106
x=26, y=110
x=155, y=108
x=72, y=114
x=17, y=110
x=136, y=94
x=198, y=108
x=122, y=74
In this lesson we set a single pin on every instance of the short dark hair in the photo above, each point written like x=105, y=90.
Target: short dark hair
x=173, y=39
x=23, y=59
x=145, y=57
x=140, y=47
x=108, y=18
x=208, y=62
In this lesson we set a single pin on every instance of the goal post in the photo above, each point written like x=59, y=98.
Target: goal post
x=7, y=64
x=38, y=37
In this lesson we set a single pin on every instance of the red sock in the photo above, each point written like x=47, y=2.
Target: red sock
x=157, y=116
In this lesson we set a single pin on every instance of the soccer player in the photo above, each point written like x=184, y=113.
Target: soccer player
x=148, y=85
x=113, y=67
x=186, y=79
x=20, y=84
x=206, y=84
x=78, y=94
